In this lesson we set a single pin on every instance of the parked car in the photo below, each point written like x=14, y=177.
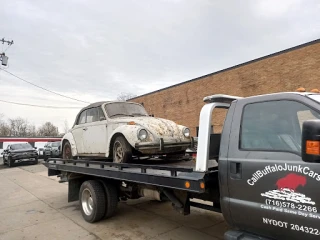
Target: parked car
x=121, y=131
x=52, y=149
x=19, y=152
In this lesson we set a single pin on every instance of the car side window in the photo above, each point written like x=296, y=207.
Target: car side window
x=82, y=118
x=92, y=115
x=274, y=125
x=101, y=114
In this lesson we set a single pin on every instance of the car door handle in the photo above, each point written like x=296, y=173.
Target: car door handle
x=235, y=170
x=84, y=129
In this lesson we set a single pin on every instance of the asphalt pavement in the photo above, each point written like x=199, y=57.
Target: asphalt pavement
x=35, y=206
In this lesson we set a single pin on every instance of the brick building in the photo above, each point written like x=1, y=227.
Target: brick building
x=282, y=71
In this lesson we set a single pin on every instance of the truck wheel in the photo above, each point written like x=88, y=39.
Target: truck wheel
x=36, y=161
x=111, y=199
x=92, y=201
x=66, y=151
x=10, y=162
x=122, y=151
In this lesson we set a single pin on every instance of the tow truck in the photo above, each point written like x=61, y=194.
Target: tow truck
x=261, y=172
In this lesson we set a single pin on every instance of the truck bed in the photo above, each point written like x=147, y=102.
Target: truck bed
x=164, y=173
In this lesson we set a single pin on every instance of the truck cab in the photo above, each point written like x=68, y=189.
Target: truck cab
x=268, y=173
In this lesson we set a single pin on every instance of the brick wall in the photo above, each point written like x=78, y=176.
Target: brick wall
x=281, y=72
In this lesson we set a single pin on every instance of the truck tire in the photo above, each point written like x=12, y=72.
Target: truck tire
x=111, y=199
x=36, y=161
x=10, y=162
x=122, y=151
x=92, y=201
x=67, y=151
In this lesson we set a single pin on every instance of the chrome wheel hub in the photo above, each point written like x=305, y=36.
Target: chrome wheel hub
x=87, y=202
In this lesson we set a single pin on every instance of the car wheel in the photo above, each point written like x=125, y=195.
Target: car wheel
x=10, y=162
x=36, y=161
x=122, y=151
x=66, y=151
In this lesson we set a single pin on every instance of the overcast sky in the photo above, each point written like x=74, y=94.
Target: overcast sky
x=94, y=50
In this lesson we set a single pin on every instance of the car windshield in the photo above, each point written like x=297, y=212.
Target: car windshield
x=123, y=109
x=55, y=144
x=315, y=97
x=21, y=146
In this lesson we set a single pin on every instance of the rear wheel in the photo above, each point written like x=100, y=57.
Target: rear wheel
x=92, y=201
x=66, y=151
x=122, y=151
x=111, y=199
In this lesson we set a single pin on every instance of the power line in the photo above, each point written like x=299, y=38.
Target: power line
x=33, y=105
x=41, y=87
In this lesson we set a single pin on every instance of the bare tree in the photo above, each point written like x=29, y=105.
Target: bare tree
x=48, y=130
x=4, y=127
x=125, y=96
x=18, y=127
x=31, y=130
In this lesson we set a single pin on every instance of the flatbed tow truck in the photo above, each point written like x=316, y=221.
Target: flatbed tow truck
x=261, y=172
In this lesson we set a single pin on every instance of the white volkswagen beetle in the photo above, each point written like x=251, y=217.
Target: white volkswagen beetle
x=121, y=131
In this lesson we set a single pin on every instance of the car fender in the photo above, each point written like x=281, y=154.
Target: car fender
x=130, y=132
x=69, y=137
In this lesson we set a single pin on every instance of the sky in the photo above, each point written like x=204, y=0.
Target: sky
x=93, y=50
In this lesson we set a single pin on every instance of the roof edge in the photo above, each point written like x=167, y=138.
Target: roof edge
x=235, y=66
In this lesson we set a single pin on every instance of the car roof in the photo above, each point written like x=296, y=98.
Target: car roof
x=98, y=104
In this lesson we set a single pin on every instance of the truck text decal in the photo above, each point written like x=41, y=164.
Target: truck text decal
x=291, y=226
x=282, y=167
x=286, y=199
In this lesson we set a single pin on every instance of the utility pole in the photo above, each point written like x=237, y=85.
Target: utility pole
x=3, y=57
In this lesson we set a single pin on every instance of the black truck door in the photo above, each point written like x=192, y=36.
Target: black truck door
x=272, y=192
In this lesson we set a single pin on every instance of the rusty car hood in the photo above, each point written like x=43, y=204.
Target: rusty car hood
x=161, y=127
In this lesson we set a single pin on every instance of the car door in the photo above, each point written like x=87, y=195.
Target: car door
x=271, y=190
x=78, y=131
x=95, y=134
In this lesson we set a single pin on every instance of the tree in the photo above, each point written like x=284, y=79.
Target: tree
x=125, y=96
x=31, y=130
x=48, y=130
x=18, y=127
x=4, y=127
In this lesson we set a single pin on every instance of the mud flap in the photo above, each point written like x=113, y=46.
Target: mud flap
x=180, y=201
x=74, y=188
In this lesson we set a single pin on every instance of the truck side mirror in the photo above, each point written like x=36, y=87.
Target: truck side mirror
x=310, y=145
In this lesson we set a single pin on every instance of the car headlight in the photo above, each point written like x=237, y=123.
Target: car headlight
x=186, y=132
x=142, y=134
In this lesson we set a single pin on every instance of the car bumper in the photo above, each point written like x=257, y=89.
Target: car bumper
x=164, y=146
x=52, y=154
x=24, y=156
